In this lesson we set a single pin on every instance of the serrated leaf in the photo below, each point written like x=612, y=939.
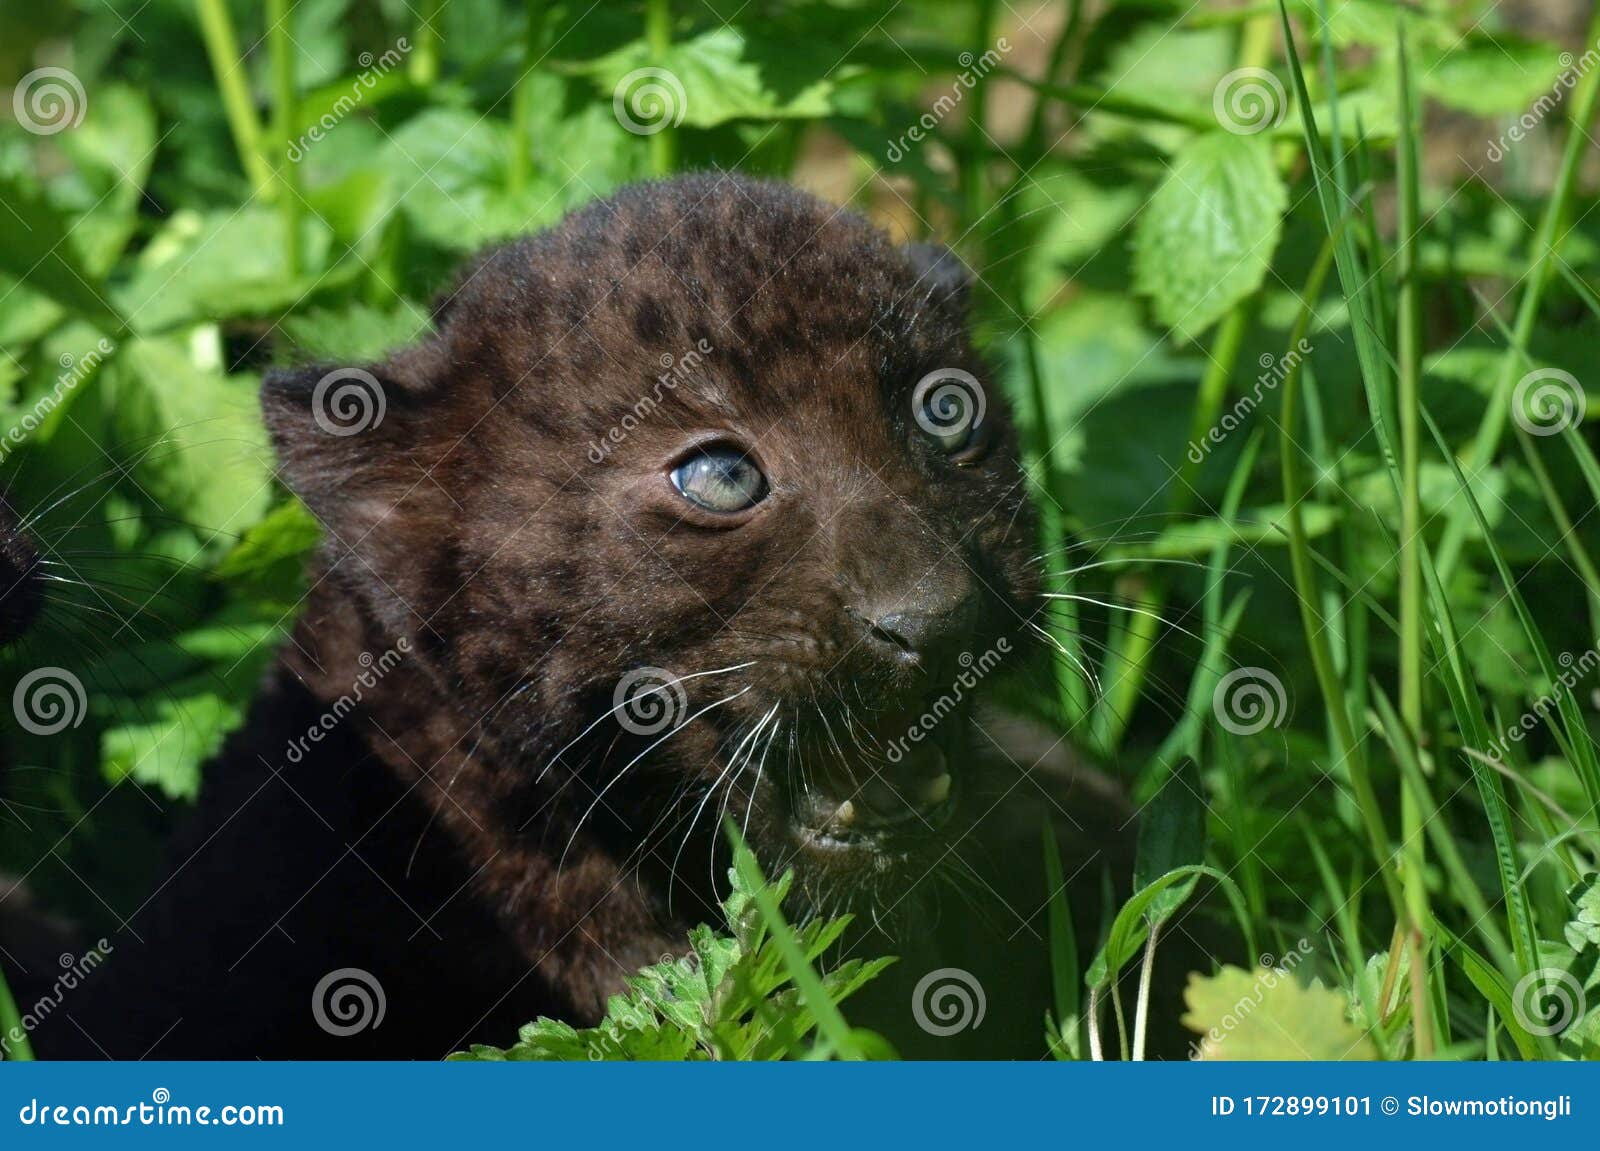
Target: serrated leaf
x=1583, y=930
x=1492, y=76
x=722, y=75
x=1206, y=239
x=1266, y=1014
x=288, y=532
x=193, y=434
x=35, y=246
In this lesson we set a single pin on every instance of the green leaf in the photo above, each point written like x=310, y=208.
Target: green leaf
x=218, y=264
x=722, y=75
x=355, y=333
x=1583, y=930
x=287, y=533
x=750, y=994
x=1172, y=834
x=1492, y=76
x=35, y=247
x=1132, y=923
x=1205, y=241
x=1266, y=1014
x=112, y=151
x=193, y=435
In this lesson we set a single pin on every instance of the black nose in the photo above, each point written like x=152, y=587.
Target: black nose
x=925, y=633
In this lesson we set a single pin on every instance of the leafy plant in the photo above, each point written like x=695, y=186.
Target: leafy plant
x=746, y=993
x=1271, y=288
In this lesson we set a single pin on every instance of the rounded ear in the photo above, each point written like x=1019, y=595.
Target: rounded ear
x=941, y=272
x=340, y=433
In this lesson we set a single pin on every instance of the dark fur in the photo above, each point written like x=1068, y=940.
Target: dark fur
x=428, y=838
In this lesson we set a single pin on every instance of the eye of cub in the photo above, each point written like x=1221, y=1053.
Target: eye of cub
x=720, y=479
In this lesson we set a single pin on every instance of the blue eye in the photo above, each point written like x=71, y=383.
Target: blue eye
x=720, y=480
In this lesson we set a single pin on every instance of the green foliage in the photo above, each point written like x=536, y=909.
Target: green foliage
x=1206, y=239
x=1252, y=1015
x=733, y=995
x=1145, y=272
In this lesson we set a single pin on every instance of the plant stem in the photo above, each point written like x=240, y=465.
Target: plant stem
x=425, y=56
x=533, y=48
x=1409, y=346
x=658, y=35
x=1347, y=747
x=280, y=44
x=1141, y=1012
x=20, y=1050
x=1546, y=243
x=222, y=48
x=830, y=1022
x=975, y=157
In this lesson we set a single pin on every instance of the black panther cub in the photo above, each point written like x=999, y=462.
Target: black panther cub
x=699, y=506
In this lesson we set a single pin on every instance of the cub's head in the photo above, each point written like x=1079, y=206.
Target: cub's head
x=700, y=504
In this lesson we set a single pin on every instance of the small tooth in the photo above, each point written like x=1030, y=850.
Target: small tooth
x=846, y=814
x=938, y=790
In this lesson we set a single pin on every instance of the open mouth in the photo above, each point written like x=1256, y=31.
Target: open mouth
x=878, y=806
